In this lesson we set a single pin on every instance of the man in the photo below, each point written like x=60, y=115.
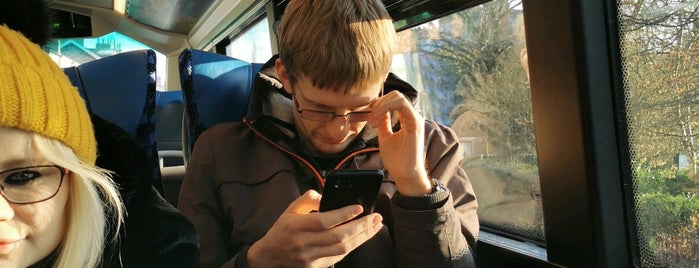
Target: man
x=328, y=102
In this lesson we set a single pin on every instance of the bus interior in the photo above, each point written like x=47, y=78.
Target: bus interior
x=576, y=117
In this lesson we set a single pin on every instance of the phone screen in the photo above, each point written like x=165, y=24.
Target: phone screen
x=347, y=187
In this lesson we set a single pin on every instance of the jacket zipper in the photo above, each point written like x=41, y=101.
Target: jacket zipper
x=319, y=177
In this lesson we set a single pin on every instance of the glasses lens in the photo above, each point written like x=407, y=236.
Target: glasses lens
x=31, y=184
x=317, y=115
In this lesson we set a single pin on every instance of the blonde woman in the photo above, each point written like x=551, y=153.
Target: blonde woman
x=56, y=207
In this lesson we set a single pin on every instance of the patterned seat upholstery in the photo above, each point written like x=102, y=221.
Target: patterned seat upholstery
x=121, y=89
x=215, y=89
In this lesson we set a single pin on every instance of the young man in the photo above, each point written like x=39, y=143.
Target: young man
x=328, y=102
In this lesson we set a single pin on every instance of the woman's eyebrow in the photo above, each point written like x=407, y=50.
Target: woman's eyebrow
x=18, y=162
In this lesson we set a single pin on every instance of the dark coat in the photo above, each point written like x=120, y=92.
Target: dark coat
x=243, y=175
x=154, y=234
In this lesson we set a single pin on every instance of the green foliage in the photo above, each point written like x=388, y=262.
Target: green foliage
x=665, y=213
x=668, y=216
x=666, y=181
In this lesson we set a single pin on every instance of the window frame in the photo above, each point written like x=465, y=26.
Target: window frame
x=581, y=135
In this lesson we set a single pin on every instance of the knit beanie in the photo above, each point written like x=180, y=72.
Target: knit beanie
x=36, y=96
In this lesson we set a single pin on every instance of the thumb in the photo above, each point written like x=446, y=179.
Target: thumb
x=309, y=201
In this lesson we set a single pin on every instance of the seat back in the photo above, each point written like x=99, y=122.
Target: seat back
x=215, y=89
x=74, y=77
x=169, y=108
x=121, y=89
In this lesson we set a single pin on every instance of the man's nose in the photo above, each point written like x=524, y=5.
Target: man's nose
x=338, y=128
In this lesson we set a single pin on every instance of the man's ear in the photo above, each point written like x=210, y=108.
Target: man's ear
x=283, y=75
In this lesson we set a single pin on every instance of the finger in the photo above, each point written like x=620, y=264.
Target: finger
x=400, y=105
x=383, y=126
x=306, y=203
x=332, y=218
x=345, y=238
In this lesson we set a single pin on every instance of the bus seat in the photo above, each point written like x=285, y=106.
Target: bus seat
x=168, y=131
x=74, y=77
x=168, y=124
x=121, y=89
x=215, y=88
x=256, y=68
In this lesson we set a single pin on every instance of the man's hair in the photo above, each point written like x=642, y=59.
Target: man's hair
x=338, y=44
x=94, y=205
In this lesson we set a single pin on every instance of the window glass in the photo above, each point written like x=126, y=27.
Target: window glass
x=253, y=45
x=76, y=51
x=660, y=56
x=471, y=71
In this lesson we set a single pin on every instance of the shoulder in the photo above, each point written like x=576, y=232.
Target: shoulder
x=436, y=130
x=223, y=132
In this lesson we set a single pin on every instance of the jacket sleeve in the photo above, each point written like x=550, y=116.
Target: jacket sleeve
x=440, y=229
x=199, y=201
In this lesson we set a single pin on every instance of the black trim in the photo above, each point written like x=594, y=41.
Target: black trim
x=573, y=91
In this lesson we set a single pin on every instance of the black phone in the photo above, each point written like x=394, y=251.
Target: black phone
x=346, y=187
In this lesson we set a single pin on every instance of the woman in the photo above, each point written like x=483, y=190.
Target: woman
x=55, y=202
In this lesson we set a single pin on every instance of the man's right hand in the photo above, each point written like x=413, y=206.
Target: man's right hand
x=300, y=238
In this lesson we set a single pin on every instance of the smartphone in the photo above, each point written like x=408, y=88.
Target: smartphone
x=346, y=187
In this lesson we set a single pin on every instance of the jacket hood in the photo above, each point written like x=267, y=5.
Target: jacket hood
x=270, y=100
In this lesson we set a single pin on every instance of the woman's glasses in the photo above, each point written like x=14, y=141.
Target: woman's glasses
x=34, y=184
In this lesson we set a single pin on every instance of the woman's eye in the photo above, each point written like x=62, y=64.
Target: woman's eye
x=22, y=177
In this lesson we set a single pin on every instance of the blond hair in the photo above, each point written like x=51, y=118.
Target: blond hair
x=93, y=203
x=339, y=44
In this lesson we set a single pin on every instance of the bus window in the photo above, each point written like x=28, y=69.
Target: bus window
x=471, y=68
x=253, y=45
x=76, y=51
x=659, y=42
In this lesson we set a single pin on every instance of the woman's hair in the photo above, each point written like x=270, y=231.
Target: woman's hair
x=339, y=44
x=94, y=205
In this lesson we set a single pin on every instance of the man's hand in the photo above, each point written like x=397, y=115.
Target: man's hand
x=402, y=152
x=303, y=239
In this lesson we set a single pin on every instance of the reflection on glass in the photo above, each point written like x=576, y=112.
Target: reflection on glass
x=76, y=51
x=471, y=68
x=661, y=79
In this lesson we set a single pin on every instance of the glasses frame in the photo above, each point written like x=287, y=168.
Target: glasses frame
x=348, y=116
x=63, y=172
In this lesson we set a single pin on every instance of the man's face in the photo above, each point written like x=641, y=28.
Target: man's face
x=327, y=138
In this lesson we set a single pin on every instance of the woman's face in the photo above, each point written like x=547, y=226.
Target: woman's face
x=28, y=232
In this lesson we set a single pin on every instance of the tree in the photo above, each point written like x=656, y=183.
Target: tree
x=661, y=57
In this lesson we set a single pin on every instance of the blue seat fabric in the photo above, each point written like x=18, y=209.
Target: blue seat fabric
x=121, y=89
x=215, y=88
x=168, y=120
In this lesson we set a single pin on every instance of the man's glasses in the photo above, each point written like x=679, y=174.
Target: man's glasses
x=324, y=116
x=28, y=185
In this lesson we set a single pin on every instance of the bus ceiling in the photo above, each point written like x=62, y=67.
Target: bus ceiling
x=170, y=26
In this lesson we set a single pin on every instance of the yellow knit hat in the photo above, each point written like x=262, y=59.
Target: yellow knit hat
x=36, y=96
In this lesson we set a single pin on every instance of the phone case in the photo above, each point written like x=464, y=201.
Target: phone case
x=347, y=187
